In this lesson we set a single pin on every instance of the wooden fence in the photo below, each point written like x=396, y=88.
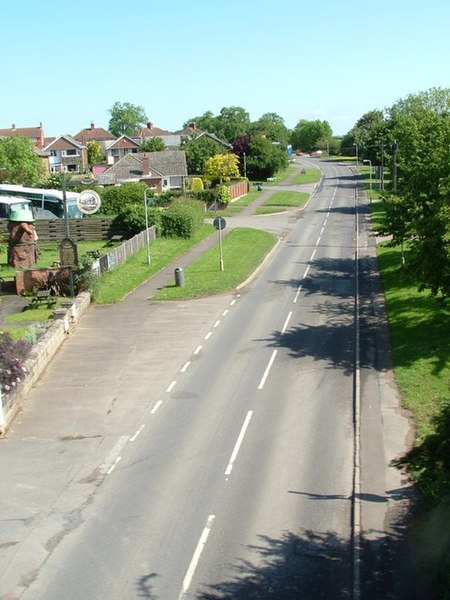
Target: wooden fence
x=54, y=230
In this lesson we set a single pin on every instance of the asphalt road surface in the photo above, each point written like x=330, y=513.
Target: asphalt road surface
x=228, y=448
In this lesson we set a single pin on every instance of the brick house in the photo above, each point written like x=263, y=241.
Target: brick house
x=35, y=134
x=119, y=148
x=66, y=155
x=93, y=133
x=171, y=140
x=162, y=171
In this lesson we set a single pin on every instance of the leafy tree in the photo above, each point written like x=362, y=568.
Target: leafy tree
x=368, y=133
x=221, y=167
x=126, y=118
x=198, y=150
x=233, y=122
x=307, y=135
x=19, y=161
x=197, y=185
x=420, y=124
x=206, y=122
x=241, y=147
x=272, y=126
x=264, y=159
x=153, y=144
x=95, y=152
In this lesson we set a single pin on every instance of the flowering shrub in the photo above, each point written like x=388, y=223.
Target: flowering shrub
x=12, y=361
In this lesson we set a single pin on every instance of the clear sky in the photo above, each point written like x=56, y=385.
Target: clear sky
x=66, y=63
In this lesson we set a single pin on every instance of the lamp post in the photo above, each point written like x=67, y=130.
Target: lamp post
x=147, y=235
x=67, y=229
x=367, y=161
x=356, y=152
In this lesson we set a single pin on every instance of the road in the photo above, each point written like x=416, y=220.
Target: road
x=247, y=458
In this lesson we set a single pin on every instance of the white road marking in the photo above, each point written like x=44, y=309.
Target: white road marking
x=171, y=386
x=113, y=454
x=216, y=324
x=233, y=302
x=313, y=254
x=286, y=322
x=266, y=372
x=138, y=433
x=238, y=443
x=196, y=557
x=155, y=408
x=113, y=466
x=186, y=366
x=208, y=335
x=197, y=350
x=225, y=312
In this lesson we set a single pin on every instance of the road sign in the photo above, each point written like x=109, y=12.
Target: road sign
x=88, y=202
x=219, y=223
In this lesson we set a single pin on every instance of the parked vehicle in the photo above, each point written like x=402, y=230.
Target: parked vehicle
x=9, y=203
x=46, y=203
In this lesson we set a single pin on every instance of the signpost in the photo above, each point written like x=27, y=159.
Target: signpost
x=88, y=202
x=220, y=224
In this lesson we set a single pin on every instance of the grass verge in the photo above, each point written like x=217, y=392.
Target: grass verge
x=116, y=284
x=243, y=251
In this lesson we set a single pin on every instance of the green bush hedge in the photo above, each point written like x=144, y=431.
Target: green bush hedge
x=182, y=219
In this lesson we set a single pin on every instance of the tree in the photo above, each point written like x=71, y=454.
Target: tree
x=367, y=134
x=233, y=122
x=95, y=153
x=221, y=167
x=307, y=135
x=272, y=126
x=206, y=122
x=198, y=150
x=420, y=127
x=126, y=118
x=264, y=159
x=153, y=144
x=19, y=162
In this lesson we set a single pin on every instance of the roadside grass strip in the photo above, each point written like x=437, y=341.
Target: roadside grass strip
x=243, y=251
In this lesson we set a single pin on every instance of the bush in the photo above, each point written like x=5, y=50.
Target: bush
x=223, y=194
x=197, y=185
x=116, y=198
x=131, y=220
x=12, y=361
x=182, y=219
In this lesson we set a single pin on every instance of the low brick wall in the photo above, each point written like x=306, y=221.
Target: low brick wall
x=66, y=320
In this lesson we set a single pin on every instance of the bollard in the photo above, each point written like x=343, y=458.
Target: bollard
x=179, y=277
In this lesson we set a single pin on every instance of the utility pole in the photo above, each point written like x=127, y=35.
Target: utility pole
x=382, y=164
x=394, y=147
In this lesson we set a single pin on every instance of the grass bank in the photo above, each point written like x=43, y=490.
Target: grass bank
x=243, y=250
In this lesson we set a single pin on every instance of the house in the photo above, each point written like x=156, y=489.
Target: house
x=66, y=155
x=35, y=134
x=192, y=132
x=93, y=133
x=166, y=170
x=119, y=148
x=171, y=140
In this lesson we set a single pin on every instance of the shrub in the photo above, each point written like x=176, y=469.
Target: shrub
x=197, y=185
x=116, y=198
x=223, y=194
x=182, y=219
x=12, y=361
x=131, y=220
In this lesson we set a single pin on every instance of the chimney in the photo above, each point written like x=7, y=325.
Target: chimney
x=149, y=125
x=145, y=164
x=13, y=126
x=192, y=124
x=92, y=126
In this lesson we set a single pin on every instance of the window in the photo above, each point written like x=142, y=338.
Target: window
x=71, y=152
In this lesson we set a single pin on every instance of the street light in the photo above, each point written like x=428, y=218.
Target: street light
x=356, y=151
x=147, y=235
x=367, y=161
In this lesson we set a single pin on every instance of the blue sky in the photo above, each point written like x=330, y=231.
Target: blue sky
x=65, y=64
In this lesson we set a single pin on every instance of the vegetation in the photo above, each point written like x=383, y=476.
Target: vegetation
x=126, y=118
x=221, y=167
x=309, y=135
x=19, y=162
x=243, y=251
x=154, y=144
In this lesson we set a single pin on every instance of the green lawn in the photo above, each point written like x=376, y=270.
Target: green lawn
x=310, y=176
x=280, y=201
x=243, y=250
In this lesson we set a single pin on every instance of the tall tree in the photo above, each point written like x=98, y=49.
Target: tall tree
x=198, y=150
x=420, y=126
x=126, y=118
x=221, y=167
x=206, y=122
x=308, y=135
x=233, y=121
x=264, y=158
x=19, y=162
x=272, y=126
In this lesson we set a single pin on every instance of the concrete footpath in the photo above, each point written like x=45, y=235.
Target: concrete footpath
x=120, y=322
